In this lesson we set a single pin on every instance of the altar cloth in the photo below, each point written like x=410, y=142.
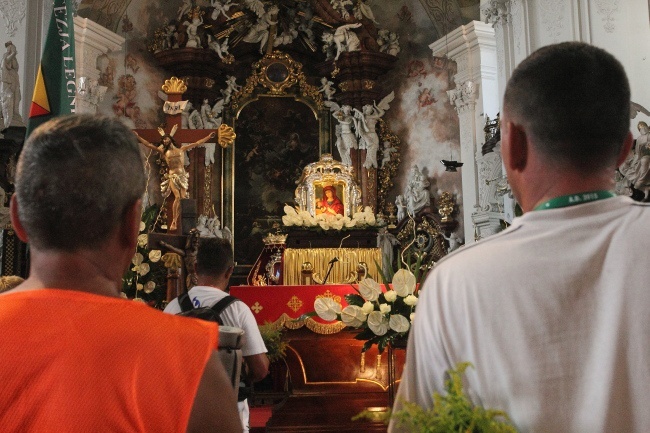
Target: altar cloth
x=283, y=305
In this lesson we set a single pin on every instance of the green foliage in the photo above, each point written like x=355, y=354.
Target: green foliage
x=275, y=345
x=452, y=412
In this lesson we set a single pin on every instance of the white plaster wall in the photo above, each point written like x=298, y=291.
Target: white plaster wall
x=621, y=27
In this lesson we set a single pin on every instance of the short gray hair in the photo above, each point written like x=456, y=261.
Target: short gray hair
x=76, y=177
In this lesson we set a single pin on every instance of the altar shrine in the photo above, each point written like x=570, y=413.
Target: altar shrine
x=330, y=379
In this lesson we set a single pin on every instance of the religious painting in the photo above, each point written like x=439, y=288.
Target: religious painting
x=329, y=199
x=276, y=138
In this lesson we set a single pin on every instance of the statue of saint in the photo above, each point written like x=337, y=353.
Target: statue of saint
x=176, y=180
x=10, y=87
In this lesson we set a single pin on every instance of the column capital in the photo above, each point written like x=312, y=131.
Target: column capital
x=496, y=12
x=464, y=96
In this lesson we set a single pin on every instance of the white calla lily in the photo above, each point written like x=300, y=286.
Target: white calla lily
x=369, y=289
x=378, y=323
x=327, y=308
x=399, y=323
x=404, y=282
x=353, y=316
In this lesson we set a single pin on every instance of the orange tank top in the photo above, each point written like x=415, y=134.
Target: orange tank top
x=78, y=362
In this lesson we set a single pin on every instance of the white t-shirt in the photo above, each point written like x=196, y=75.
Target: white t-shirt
x=553, y=313
x=236, y=314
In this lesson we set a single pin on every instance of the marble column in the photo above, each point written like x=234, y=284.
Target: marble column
x=473, y=48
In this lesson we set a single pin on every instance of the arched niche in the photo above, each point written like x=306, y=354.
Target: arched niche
x=281, y=125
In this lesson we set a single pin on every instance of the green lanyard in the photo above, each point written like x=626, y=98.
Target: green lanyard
x=573, y=199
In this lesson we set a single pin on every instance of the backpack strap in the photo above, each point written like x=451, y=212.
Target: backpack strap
x=222, y=305
x=185, y=302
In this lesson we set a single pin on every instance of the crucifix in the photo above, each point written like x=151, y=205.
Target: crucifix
x=176, y=180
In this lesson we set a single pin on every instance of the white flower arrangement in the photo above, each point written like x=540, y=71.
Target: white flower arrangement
x=147, y=274
x=302, y=218
x=384, y=313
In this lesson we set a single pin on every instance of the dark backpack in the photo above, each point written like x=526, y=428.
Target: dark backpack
x=229, y=338
x=212, y=314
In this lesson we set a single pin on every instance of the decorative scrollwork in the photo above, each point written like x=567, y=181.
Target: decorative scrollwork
x=277, y=72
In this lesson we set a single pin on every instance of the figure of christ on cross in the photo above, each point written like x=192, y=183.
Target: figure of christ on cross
x=176, y=180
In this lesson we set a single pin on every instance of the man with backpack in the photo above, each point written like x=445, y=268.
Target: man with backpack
x=214, y=267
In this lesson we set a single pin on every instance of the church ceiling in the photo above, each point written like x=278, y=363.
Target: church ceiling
x=445, y=15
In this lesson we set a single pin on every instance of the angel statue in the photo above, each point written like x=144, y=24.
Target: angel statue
x=327, y=88
x=211, y=115
x=344, y=39
x=259, y=32
x=366, y=122
x=190, y=118
x=231, y=88
x=346, y=139
x=176, y=180
x=220, y=48
x=220, y=8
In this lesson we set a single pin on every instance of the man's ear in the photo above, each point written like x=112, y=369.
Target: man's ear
x=15, y=219
x=229, y=272
x=131, y=224
x=514, y=147
x=625, y=149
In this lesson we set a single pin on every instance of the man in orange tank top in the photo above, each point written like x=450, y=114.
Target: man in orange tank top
x=75, y=356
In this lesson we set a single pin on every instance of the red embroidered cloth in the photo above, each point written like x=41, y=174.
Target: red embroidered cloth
x=270, y=303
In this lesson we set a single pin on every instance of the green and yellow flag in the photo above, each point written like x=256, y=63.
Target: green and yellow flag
x=55, y=88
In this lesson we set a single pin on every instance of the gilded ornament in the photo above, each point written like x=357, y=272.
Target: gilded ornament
x=344, y=86
x=445, y=207
x=174, y=86
x=226, y=135
x=368, y=84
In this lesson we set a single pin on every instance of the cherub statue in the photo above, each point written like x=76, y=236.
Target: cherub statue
x=231, y=88
x=346, y=139
x=387, y=151
x=341, y=7
x=366, y=122
x=193, y=38
x=344, y=39
x=209, y=227
x=176, y=180
x=287, y=36
x=220, y=48
x=393, y=47
x=220, y=8
x=383, y=35
x=454, y=241
x=170, y=40
x=259, y=32
x=327, y=88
